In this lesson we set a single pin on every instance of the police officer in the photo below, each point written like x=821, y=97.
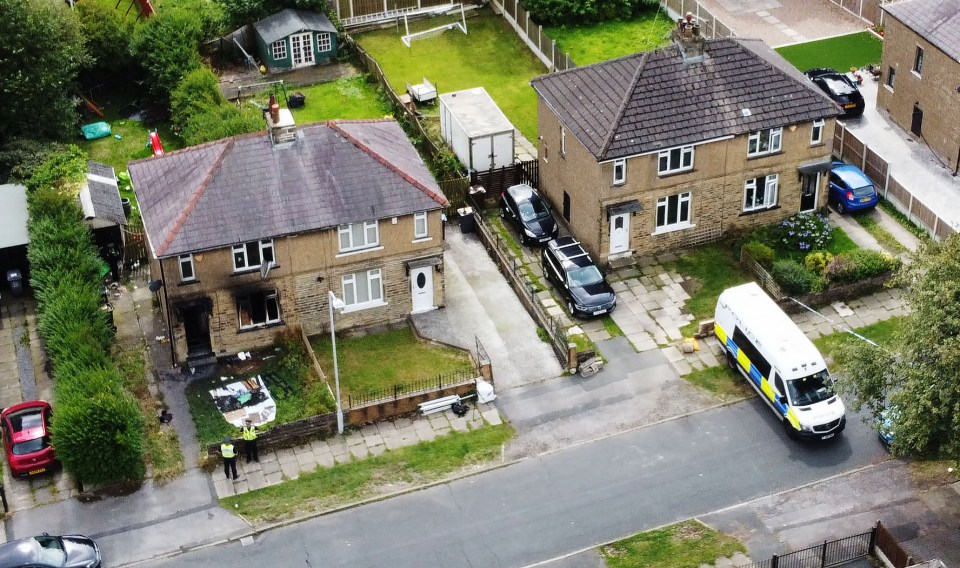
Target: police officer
x=249, y=434
x=229, y=457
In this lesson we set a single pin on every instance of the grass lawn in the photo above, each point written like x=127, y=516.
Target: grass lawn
x=841, y=53
x=382, y=360
x=882, y=333
x=588, y=44
x=348, y=97
x=490, y=55
x=721, y=382
x=714, y=268
x=688, y=544
x=327, y=488
x=133, y=142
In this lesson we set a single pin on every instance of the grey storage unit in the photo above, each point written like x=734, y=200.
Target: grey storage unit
x=476, y=129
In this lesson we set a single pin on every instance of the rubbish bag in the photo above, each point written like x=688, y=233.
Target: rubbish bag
x=96, y=130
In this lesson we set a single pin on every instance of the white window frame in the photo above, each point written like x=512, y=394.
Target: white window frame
x=418, y=220
x=816, y=133
x=563, y=142
x=771, y=185
x=372, y=279
x=323, y=42
x=187, y=260
x=268, y=296
x=683, y=156
x=620, y=171
x=774, y=139
x=918, y=61
x=279, y=49
x=663, y=203
x=369, y=230
x=265, y=245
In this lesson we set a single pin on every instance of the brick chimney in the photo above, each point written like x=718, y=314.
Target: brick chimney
x=687, y=37
x=280, y=123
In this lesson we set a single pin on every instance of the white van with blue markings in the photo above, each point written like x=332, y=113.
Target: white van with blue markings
x=780, y=362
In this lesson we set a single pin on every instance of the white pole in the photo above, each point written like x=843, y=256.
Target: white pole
x=331, y=298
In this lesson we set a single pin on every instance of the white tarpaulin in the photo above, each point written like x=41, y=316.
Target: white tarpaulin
x=249, y=399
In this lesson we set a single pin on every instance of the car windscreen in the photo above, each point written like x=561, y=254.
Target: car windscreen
x=533, y=210
x=51, y=551
x=810, y=390
x=585, y=276
x=30, y=446
x=863, y=191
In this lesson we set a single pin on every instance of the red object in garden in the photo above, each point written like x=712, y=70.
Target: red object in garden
x=26, y=438
x=155, y=143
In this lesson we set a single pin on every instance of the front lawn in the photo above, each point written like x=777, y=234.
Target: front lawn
x=347, y=97
x=841, y=53
x=882, y=333
x=591, y=43
x=490, y=55
x=722, y=382
x=689, y=544
x=330, y=487
x=379, y=361
x=712, y=269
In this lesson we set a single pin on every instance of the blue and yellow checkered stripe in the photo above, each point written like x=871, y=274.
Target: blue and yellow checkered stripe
x=759, y=380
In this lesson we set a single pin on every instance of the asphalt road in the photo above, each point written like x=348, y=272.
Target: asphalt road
x=564, y=501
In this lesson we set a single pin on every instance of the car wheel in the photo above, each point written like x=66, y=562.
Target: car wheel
x=841, y=209
x=570, y=309
x=503, y=214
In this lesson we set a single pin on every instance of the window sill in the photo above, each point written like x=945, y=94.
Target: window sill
x=191, y=282
x=359, y=251
x=758, y=210
x=816, y=144
x=764, y=155
x=619, y=183
x=361, y=307
x=422, y=240
x=888, y=87
x=259, y=327
x=672, y=229
x=674, y=172
x=915, y=74
x=254, y=270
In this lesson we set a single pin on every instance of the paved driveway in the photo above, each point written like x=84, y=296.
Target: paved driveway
x=782, y=23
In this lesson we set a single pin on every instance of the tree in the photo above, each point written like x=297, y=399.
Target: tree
x=41, y=51
x=574, y=12
x=107, y=37
x=919, y=378
x=166, y=46
x=242, y=12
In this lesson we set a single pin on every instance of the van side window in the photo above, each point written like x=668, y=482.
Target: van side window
x=778, y=382
x=751, y=352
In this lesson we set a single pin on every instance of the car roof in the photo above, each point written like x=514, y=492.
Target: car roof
x=19, y=552
x=570, y=252
x=521, y=191
x=852, y=176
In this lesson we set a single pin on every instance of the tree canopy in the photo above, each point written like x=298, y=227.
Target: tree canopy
x=919, y=378
x=41, y=51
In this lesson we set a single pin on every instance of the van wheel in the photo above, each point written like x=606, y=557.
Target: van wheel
x=731, y=362
x=790, y=430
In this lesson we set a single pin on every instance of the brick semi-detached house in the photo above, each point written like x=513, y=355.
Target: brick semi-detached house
x=248, y=234
x=921, y=73
x=668, y=148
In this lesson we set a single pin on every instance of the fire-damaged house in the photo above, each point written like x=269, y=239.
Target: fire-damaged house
x=249, y=234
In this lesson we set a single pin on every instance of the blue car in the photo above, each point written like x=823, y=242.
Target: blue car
x=851, y=189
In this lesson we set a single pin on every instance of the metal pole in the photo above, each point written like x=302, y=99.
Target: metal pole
x=336, y=369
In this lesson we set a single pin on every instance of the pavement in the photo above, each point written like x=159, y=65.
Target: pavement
x=783, y=22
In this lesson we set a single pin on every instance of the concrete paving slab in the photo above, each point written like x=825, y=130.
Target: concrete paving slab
x=290, y=470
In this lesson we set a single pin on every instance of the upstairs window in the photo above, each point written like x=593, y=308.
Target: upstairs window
x=279, y=49
x=619, y=171
x=248, y=256
x=891, y=77
x=918, y=61
x=420, y=225
x=187, y=273
x=359, y=236
x=675, y=160
x=764, y=142
x=816, y=133
x=563, y=142
x=760, y=193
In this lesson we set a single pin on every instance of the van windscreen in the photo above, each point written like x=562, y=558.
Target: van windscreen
x=810, y=390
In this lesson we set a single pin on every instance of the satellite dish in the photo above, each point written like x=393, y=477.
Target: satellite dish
x=155, y=285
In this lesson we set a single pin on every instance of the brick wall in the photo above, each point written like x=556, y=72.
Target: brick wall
x=934, y=91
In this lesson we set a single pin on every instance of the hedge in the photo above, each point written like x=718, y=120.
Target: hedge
x=99, y=430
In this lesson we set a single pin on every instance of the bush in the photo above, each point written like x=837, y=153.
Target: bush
x=578, y=12
x=805, y=231
x=69, y=165
x=20, y=157
x=213, y=122
x=860, y=265
x=198, y=90
x=760, y=252
x=817, y=261
x=106, y=35
x=792, y=277
x=167, y=48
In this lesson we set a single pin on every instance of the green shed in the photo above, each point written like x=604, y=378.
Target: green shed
x=295, y=38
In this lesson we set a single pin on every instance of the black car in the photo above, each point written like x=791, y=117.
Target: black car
x=523, y=205
x=45, y=551
x=578, y=279
x=841, y=88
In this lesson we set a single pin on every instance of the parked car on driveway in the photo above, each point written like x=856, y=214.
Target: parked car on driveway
x=579, y=281
x=851, y=189
x=523, y=206
x=26, y=438
x=45, y=551
x=841, y=88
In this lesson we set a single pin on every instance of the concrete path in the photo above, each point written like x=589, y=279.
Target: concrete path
x=779, y=22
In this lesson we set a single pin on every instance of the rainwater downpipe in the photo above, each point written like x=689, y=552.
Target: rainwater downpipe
x=166, y=304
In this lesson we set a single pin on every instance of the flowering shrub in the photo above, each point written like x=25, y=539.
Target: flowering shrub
x=792, y=277
x=805, y=231
x=860, y=265
x=817, y=261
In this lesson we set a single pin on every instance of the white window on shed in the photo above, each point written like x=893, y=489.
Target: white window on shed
x=279, y=49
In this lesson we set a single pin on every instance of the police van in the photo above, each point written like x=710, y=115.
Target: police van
x=787, y=371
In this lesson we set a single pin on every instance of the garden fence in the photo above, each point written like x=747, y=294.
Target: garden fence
x=532, y=34
x=830, y=553
x=710, y=26
x=352, y=12
x=851, y=149
x=867, y=10
x=406, y=389
x=764, y=278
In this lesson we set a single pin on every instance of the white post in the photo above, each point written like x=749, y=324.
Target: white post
x=331, y=300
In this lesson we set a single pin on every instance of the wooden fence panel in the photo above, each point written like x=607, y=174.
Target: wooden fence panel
x=852, y=150
x=876, y=169
x=891, y=548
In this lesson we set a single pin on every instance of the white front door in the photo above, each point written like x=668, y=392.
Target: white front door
x=421, y=288
x=619, y=233
x=301, y=47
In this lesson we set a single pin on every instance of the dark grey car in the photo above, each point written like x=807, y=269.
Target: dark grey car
x=45, y=551
x=523, y=206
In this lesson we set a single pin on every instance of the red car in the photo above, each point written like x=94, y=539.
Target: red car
x=26, y=438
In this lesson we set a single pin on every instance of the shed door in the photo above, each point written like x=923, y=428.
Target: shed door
x=481, y=153
x=301, y=46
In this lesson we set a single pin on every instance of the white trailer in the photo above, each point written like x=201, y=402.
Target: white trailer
x=476, y=129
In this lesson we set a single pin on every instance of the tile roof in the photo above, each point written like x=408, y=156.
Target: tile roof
x=937, y=21
x=104, y=194
x=244, y=188
x=286, y=22
x=654, y=100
